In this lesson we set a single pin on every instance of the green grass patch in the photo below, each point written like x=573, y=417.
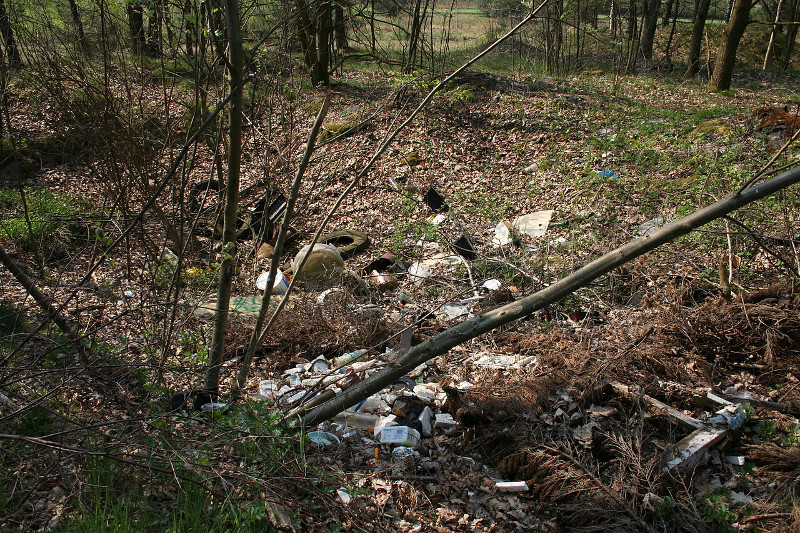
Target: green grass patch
x=40, y=215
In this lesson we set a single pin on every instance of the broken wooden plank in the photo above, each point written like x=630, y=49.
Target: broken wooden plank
x=690, y=450
x=659, y=407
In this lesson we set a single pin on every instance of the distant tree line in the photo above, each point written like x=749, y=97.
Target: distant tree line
x=326, y=33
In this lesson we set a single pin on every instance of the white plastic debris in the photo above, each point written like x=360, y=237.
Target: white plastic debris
x=511, y=486
x=646, y=228
x=530, y=169
x=455, y=310
x=437, y=219
x=370, y=404
x=532, y=224
x=356, y=420
x=129, y=294
x=344, y=496
x=323, y=438
x=212, y=406
x=418, y=273
x=320, y=365
x=168, y=255
x=492, y=284
x=487, y=360
x=403, y=452
x=738, y=392
x=445, y=421
x=736, y=460
x=401, y=435
x=430, y=392
x=268, y=388
x=384, y=422
x=426, y=419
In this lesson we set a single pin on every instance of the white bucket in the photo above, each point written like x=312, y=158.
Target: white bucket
x=281, y=285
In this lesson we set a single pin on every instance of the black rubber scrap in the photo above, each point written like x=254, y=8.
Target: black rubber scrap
x=348, y=242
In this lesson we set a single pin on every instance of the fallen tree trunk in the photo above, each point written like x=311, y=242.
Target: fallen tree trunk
x=470, y=329
x=51, y=313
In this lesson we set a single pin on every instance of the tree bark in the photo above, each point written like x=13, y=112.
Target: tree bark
x=191, y=27
x=649, y=24
x=698, y=26
x=136, y=25
x=340, y=28
x=76, y=20
x=414, y=37
x=633, y=36
x=314, y=35
x=486, y=322
x=791, y=35
x=12, y=50
x=668, y=50
x=768, y=53
x=668, y=10
x=320, y=69
x=236, y=69
x=155, y=21
x=726, y=58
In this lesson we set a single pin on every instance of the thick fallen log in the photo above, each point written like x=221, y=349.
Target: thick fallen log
x=478, y=325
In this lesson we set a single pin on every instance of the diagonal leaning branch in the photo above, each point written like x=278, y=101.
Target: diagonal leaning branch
x=470, y=329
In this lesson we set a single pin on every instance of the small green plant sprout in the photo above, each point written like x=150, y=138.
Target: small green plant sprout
x=460, y=95
x=715, y=511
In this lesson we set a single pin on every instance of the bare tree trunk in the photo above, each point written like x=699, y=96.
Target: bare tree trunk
x=236, y=66
x=372, y=41
x=668, y=50
x=554, y=36
x=417, y=21
x=340, y=28
x=613, y=11
x=315, y=39
x=12, y=50
x=668, y=10
x=76, y=20
x=155, y=21
x=768, y=53
x=698, y=25
x=633, y=36
x=320, y=74
x=726, y=58
x=46, y=304
x=649, y=24
x=486, y=322
x=791, y=35
x=189, y=35
x=136, y=25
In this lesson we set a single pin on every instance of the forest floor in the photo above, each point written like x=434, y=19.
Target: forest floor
x=586, y=401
